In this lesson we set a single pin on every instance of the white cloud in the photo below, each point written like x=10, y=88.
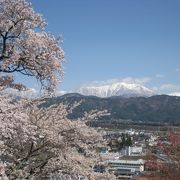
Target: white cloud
x=29, y=93
x=129, y=80
x=60, y=93
x=175, y=94
x=141, y=81
x=167, y=89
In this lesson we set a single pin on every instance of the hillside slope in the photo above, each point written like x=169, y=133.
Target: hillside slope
x=160, y=108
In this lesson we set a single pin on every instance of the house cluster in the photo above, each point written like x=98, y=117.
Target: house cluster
x=125, y=154
x=127, y=164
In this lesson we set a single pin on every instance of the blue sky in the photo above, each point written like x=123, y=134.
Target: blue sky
x=115, y=39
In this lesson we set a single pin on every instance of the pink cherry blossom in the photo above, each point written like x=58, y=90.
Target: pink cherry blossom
x=25, y=47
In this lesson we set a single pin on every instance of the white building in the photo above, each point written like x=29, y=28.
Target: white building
x=132, y=151
x=135, y=151
x=126, y=168
x=132, y=165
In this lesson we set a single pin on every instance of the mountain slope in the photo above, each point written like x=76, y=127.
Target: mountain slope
x=116, y=89
x=160, y=108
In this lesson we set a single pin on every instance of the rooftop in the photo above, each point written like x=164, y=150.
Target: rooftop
x=127, y=161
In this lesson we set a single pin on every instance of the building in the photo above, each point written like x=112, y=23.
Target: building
x=127, y=167
x=135, y=151
x=132, y=151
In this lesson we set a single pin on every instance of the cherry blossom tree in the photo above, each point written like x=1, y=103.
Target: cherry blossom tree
x=39, y=143
x=24, y=45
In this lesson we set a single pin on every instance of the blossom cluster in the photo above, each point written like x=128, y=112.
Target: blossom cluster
x=37, y=143
x=24, y=45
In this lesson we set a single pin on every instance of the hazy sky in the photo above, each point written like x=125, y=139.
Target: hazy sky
x=115, y=39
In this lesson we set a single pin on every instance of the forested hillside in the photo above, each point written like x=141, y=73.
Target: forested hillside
x=160, y=108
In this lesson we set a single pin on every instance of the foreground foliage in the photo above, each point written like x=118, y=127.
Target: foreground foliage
x=25, y=47
x=169, y=167
x=37, y=143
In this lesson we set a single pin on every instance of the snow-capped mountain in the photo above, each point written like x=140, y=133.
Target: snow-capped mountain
x=116, y=89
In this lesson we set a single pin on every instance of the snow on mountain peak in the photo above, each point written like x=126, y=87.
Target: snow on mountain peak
x=116, y=89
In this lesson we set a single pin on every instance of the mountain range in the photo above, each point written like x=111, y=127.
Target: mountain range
x=158, y=108
x=116, y=89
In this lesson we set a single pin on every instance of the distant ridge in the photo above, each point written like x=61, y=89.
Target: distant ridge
x=159, y=108
x=117, y=89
